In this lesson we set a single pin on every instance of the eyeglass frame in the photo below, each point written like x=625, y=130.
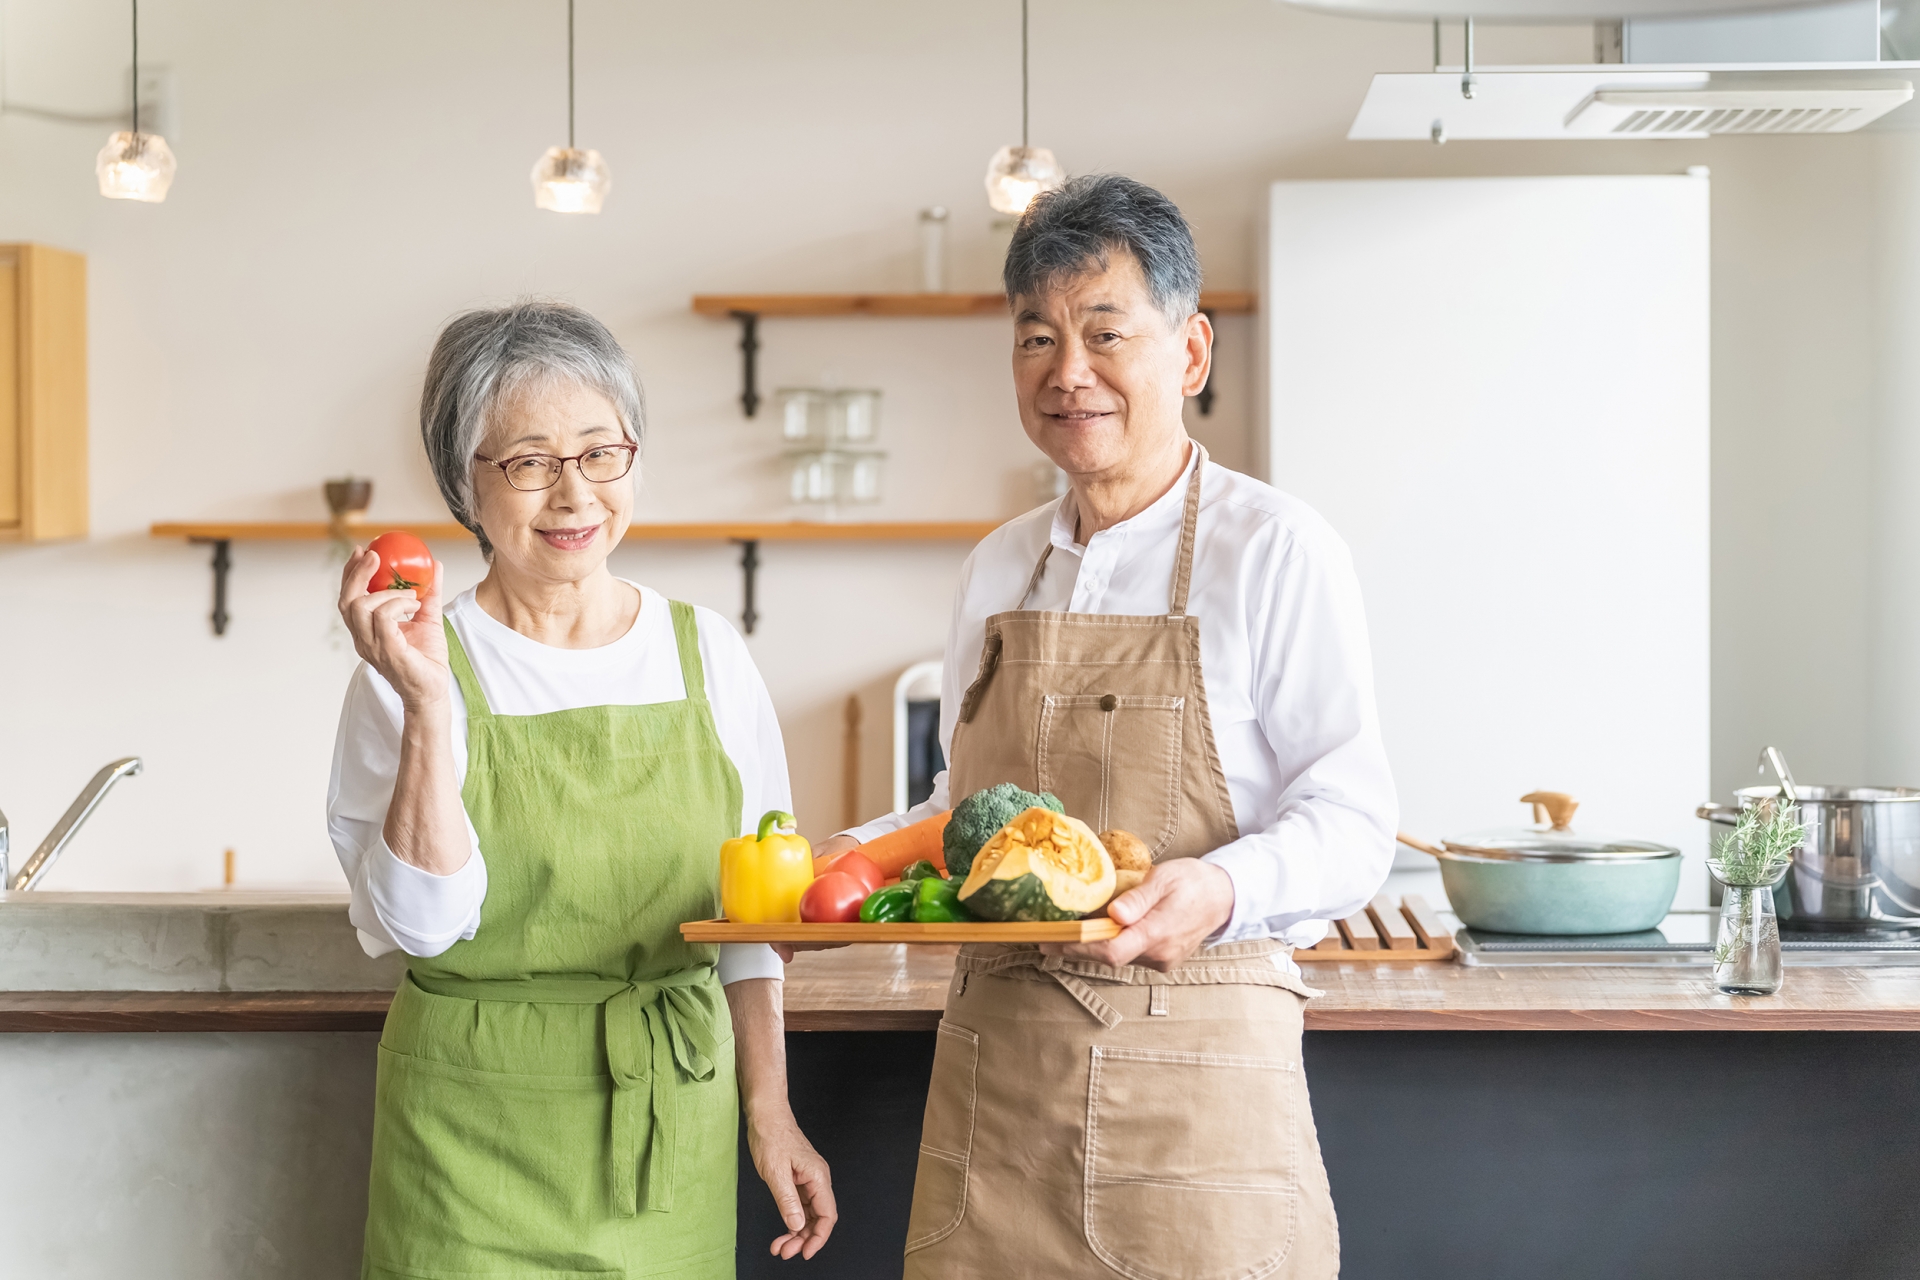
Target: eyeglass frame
x=633, y=451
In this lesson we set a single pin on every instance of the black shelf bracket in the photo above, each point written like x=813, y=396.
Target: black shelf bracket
x=749, y=567
x=222, y=561
x=749, y=348
x=1205, y=395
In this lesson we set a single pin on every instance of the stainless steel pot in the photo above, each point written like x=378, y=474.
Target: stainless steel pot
x=1859, y=866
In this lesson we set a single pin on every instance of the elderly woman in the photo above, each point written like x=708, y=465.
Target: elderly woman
x=530, y=789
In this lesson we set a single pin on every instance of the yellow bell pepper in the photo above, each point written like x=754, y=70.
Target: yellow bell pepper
x=763, y=876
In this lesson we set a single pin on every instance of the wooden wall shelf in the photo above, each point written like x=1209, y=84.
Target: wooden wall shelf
x=222, y=534
x=748, y=308
x=1216, y=301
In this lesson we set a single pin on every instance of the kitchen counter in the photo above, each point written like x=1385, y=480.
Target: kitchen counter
x=904, y=989
x=1498, y=1122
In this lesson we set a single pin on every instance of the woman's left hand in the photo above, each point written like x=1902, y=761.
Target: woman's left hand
x=798, y=1179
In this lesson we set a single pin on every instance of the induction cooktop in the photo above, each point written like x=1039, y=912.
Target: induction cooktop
x=1686, y=938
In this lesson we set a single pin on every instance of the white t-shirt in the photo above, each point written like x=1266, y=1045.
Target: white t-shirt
x=399, y=906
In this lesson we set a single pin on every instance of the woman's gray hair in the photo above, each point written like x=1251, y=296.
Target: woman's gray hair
x=1074, y=230
x=483, y=359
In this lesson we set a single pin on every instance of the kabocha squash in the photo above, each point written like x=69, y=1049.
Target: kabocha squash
x=1041, y=865
x=976, y=818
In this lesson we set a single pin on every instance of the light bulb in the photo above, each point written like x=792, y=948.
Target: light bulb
x=1017, y=174
x=135, y=166
x=567, y=180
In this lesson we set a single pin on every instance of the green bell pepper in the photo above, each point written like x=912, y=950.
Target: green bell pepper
x=919, y=871
x=937, y=901
x=891, y=905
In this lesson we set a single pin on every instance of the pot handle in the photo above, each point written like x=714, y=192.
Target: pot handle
x=1414, y=842
x=1725, y=814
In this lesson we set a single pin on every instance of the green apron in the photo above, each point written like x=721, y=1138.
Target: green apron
x=555, y=1095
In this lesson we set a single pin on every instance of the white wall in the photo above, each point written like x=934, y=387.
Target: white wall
x=354, y=172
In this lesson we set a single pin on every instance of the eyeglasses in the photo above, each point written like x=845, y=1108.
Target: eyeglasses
x=532, y=472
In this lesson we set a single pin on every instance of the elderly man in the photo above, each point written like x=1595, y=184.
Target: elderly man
x=1179, y=651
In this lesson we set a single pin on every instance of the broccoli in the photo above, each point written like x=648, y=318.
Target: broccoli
x=976, y=818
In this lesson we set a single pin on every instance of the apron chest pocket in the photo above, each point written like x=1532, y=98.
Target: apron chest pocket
x=1191, y=1163
x=1115, y=761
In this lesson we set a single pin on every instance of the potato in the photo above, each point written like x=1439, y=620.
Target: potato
x=1128, y=851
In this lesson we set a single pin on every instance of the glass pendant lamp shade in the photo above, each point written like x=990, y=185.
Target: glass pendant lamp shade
x=135, y=166
x=1017, y=174
x=571, y=180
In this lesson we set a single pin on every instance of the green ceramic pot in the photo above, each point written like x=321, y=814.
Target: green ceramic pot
x=1555, y=883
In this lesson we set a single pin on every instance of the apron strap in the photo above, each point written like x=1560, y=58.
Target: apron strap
x=657, y=1031
x=1189, y=522
x=686, y=637
x=1039, y=570
x=476, y=700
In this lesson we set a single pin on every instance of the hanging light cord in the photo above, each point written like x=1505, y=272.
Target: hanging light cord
x=1023, y=73
x=136, y=72
x=569, y=73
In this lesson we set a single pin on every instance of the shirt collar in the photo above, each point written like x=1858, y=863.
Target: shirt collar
x=1165, y=512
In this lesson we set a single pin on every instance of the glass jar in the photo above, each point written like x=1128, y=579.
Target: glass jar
x=822, y=419
x=1746, y=947
x=835, y=477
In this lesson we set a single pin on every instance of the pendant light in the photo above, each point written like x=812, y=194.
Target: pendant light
x=135, y=165
x=565, y=179
x=1016, y=175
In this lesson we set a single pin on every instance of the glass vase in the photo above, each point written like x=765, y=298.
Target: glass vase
x=1746, y=950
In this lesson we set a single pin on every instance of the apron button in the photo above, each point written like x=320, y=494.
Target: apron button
x=1109, y=702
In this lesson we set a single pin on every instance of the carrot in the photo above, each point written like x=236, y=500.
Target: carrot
x=895, y=851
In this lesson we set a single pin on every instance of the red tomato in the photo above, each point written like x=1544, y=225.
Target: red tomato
x=834, y=898
x=858, y=865
x=405, y=563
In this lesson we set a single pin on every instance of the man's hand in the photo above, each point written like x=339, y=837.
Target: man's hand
x=1163, y=920
x=828, y=848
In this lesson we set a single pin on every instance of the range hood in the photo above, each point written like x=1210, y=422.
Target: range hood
x=1662, y=69
x=1627, y=102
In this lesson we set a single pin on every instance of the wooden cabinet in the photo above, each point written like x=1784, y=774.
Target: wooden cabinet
x=43, y=393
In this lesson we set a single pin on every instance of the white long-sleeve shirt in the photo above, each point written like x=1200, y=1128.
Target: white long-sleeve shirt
x=1289, y=681
x=399, y=906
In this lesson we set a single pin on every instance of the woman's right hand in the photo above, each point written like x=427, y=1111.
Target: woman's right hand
x=397, y=633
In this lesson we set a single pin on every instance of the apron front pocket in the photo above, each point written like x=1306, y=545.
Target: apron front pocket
x=1114, y=760
x=1191, y=1163
x=946, y=1138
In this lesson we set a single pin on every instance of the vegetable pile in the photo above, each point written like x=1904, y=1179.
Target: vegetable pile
x=1001, y=854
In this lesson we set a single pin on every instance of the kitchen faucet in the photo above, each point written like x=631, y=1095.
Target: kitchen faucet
x=63, y=831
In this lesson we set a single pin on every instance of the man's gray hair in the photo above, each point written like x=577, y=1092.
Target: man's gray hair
x=1076, y=229
x=484, y=359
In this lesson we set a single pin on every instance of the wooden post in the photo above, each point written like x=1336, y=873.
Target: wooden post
x=850, y=766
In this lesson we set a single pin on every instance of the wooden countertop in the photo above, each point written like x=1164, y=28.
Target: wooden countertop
x=904, y=988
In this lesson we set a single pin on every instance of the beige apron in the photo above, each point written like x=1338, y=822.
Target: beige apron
x=1090, y=1121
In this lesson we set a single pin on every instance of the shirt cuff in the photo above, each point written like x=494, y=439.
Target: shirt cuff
x=425, y=913
x=1255, y=874
x=740, y=961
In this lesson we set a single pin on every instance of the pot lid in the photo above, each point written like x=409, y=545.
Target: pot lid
x=1553, y=839
x=1544, y=844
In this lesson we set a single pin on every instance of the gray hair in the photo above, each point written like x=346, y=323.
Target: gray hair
x=1076, y=230
x=485, y=358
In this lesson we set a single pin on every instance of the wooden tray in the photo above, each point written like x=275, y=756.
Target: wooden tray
x=1093, y=930
x=1385, y=933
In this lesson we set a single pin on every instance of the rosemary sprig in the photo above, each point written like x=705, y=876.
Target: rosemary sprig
x=1760, y=846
